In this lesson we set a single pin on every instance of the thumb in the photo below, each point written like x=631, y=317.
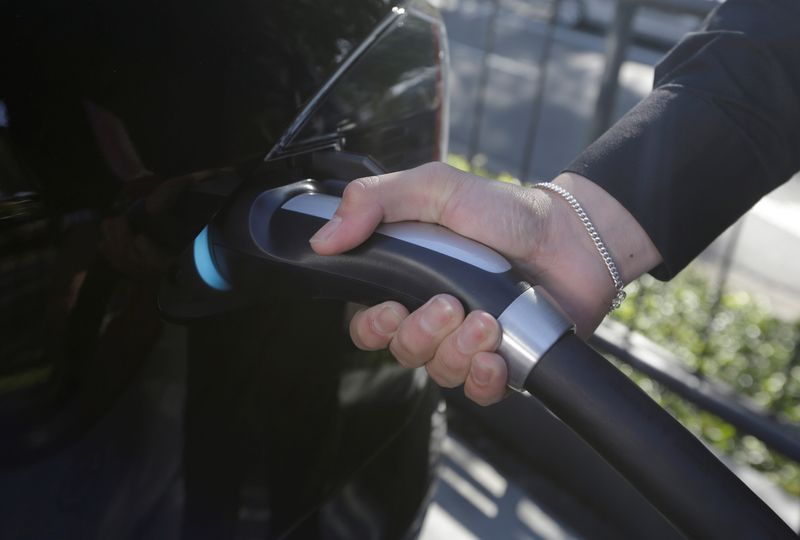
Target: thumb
x=417, y=194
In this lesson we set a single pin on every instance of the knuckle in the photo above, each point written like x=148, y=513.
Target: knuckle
x=446, y=376
x=360, y=195
x=436, y=319
x=486, y=382
x=453, y=305
x=451, y=360
x=359, y=331
x=413, y=343
x=353, y=191
x=403, y=355
x=450, y=299
x=441, y=378
x=436, y=168
x=361, y=186
x=481, y=330
x=458, y=364
x=384, y=319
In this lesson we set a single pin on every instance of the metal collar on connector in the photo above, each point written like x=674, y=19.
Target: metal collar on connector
x=531, y=325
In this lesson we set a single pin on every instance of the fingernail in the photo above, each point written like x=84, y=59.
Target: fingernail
x=480, y=372
x=471, y=337
x=435, y=315
x=327, y=230
x=387, y=321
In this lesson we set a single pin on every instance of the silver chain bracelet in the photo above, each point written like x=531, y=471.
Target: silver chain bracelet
x=595, y=236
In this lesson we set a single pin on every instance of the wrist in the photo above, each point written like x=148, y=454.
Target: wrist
x=628, y=243
x=568, y=262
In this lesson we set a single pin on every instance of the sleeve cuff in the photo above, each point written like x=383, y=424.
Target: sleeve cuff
x=681, y=167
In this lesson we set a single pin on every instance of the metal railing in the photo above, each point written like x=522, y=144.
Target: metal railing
x=618, y=42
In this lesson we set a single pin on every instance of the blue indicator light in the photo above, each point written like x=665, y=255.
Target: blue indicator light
x=205, y=264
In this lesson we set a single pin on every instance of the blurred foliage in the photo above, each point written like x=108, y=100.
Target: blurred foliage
x=478, y=166
x=730, y=337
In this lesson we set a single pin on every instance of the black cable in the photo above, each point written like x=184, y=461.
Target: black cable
x=667, y=464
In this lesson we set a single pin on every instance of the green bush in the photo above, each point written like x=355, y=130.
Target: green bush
x=732, y=338
x=478, y=166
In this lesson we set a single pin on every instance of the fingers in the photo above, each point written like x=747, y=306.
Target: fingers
x=455, y=350
x=413, y=339
x=415, y=195
x=437, y=336
x=419, y=336
x=451, y=363
x=438, y=193
x=487, y=379
x=373, y=329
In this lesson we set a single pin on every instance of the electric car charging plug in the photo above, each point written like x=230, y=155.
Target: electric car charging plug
x=257, y=247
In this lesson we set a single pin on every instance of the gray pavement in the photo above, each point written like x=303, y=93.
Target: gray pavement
x=474, y=500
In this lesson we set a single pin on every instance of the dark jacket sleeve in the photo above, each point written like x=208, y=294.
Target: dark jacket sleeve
x=720, y=129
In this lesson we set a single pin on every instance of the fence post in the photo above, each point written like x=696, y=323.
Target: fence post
x=617, y=42
x=538, y=96
x=483, y=80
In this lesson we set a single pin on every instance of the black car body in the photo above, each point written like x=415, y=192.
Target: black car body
x=123, y=128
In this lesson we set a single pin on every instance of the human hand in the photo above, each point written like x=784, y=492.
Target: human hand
x=536, y=230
